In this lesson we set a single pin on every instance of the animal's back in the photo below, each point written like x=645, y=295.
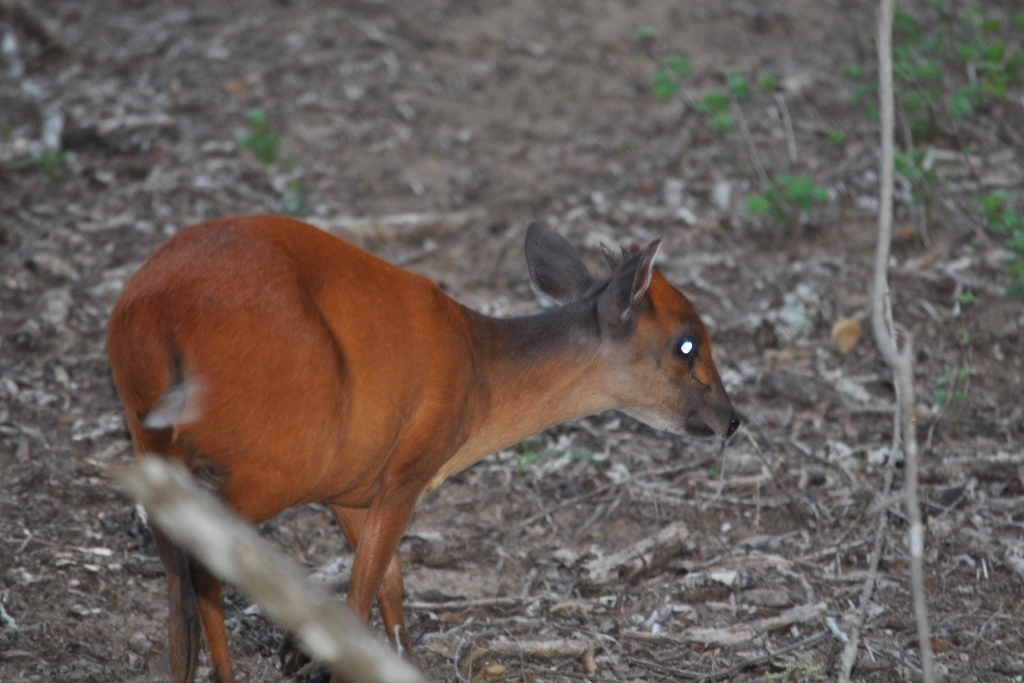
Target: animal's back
x=300, y=349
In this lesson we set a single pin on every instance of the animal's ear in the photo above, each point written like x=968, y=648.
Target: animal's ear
x=610, y=256
x=627, y=287
x=556, y=268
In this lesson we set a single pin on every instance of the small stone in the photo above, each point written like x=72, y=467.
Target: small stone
x=139, y=643
x=54, y=308
x=721, y=195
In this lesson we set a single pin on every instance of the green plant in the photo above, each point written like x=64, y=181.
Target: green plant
x=946, y=65
x=737, y=83
x=644, y=34
x=785, y=196
x=767, y=83
x=836, y=137
x=951, y=386
x=1000, y=217
x=715, y=103
x=963, y=335
x=913, y=167
x=49, y=165
x=668, y=79
x=966, y=299
x=263, y=140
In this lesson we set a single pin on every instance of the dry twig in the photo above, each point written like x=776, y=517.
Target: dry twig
x=636, y=558
x=470, y=604
x=541, y=649
x=755, y=158
x=788, y=123
x=766, y=657
x=850, y=648
x=901, y=361
x=741, y=633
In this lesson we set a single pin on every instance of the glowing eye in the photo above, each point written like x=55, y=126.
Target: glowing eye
x=686, y=347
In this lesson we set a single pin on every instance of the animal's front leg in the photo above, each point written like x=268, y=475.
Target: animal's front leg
x=386, y=521
x=391, y=591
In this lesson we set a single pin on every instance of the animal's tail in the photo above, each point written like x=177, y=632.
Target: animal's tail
x=183, y=624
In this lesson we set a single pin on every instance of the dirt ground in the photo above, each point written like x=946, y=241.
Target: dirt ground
x=481, y=116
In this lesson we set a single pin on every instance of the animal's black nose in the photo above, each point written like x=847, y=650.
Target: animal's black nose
x=734, y=424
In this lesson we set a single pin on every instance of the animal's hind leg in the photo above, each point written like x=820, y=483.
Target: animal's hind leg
x=183, y=623
x=211, y=610
x=392, y=588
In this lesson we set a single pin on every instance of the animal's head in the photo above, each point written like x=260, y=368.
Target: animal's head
x=651, y=339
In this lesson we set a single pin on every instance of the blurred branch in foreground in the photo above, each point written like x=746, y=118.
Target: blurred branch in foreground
x=232, y=550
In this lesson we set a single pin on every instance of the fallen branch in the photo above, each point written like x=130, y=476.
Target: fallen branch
x=740, y=633
x=999, y=466
x=233, y=551
x=763, y=659
x=640, y=557
x=540, y=649
x=468, y=604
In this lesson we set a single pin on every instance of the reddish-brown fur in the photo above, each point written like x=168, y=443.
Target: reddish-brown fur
x=311, y=370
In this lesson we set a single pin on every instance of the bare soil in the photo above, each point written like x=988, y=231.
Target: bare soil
x=506, y=112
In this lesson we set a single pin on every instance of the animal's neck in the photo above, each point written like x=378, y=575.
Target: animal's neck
x=535, y=372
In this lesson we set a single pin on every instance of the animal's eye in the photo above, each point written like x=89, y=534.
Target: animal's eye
x=686, y=348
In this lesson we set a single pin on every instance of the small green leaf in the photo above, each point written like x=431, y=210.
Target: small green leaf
x=758, y=205
x=644, y=34
x=737, y=84
x=966, y=298
x=664, y=85
x=963, y=101
x=257, y=119
x=679, y=66
x=713, y=103
x=666, y=80
x=1016, y=243
x=722, y=122
x=905, y=26
x=994, y=51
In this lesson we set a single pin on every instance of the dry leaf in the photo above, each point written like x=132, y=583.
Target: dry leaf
x=846, y=334
x=490, y=673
